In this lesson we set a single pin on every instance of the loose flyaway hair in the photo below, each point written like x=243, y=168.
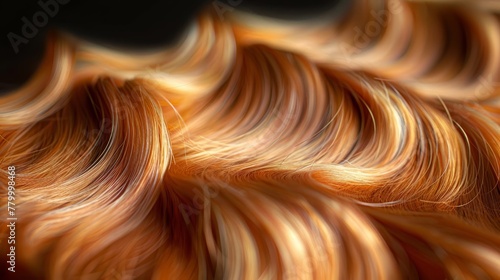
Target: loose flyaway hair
x=365, y=146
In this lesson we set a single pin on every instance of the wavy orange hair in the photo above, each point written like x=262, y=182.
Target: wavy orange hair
x=365, y=147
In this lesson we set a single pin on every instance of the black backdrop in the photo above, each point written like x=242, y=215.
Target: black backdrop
x=136, y=24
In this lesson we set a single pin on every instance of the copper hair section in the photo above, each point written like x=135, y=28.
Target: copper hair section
x=366, y=147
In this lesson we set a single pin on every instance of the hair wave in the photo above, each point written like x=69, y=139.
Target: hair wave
x=365, y=147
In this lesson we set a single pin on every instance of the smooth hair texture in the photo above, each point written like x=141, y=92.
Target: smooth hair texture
x=365, y=147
